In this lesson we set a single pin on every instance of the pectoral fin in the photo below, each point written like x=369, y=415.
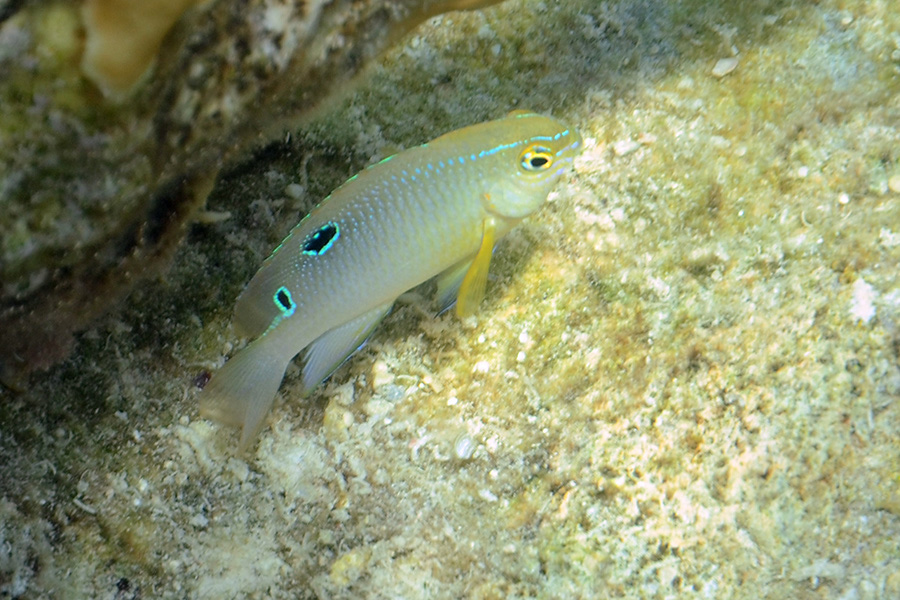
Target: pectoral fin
x=331, y=349
x=471, y=292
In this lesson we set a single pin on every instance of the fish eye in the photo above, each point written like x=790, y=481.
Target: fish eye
x=536, y=158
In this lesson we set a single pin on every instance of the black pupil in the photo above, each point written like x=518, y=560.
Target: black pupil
x=283, y=299
x=538, y=162
x=320, y=238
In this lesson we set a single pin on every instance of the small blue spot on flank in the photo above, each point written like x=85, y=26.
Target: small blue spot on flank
x=284, y=301
x=322, y=239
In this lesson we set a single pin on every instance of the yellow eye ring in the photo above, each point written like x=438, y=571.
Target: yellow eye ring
x=536, y=158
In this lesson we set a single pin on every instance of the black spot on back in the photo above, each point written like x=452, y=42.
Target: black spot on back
x=321, y=240
x=283, y=299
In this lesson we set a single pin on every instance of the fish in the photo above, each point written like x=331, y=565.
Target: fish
x=432, y=211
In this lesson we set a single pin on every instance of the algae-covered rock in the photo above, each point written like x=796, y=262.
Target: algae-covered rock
x=117, y=117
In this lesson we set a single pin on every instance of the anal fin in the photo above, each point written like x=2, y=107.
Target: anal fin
x=333, y=347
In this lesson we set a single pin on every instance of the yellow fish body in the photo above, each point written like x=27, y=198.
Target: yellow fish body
x=436, y=209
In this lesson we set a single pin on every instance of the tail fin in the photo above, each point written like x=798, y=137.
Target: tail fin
x=241, y=393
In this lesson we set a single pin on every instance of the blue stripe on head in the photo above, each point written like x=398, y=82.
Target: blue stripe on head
x=497, y=149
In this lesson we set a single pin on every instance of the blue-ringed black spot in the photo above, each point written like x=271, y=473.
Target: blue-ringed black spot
x=284, y=301
x=322, y=239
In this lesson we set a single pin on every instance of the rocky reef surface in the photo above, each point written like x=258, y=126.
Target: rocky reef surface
x=119, y=116
x=684, y=381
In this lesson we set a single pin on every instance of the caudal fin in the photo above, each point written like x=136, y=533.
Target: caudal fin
x=241, y=393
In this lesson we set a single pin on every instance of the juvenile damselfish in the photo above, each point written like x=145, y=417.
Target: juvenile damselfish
x=433, y=210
